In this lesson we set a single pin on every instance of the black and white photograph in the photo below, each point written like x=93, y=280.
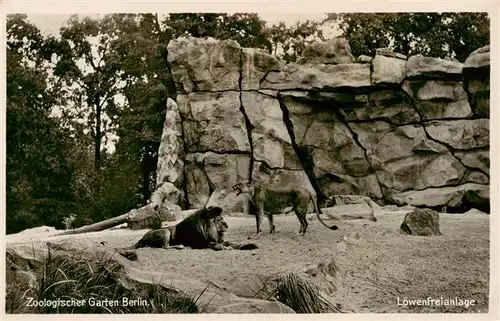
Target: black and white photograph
x=253, y=162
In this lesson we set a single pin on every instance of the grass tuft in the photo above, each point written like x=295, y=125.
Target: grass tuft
x=92, y=283
x=301, y=295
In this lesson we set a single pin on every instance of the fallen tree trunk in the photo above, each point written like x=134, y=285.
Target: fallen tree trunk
x=136, y=218
x=144, y=217
x=99, y=226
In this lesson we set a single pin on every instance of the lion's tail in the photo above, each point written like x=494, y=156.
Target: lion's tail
x=128, y=252
x=129, y=248
x=237, y=246
x=316, y=209
x=248, y=246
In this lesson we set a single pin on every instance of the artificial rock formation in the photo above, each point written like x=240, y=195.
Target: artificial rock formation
x=477, y=71
x=170, y=170
x=390, y=127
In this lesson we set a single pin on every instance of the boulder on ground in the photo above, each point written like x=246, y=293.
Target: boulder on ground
x=422, y=222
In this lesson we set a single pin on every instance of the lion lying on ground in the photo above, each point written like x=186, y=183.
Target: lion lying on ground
x=203, y=229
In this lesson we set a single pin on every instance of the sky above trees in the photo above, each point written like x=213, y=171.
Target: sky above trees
x=50, y=23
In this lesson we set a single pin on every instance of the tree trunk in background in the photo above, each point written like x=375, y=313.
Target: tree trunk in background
x=147, y=169
x=98, y=134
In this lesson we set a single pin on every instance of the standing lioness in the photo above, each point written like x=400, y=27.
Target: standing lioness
x=298, y=197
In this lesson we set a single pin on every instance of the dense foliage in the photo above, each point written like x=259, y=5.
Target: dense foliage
x=440, y=35
x=85, y=109
x=38, y=171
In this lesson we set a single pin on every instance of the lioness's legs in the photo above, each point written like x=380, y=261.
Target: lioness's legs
x=301, y=215
x=258, y=217
x=304, y=223
x=272, y=228
x=301, y=230
x=300, y=205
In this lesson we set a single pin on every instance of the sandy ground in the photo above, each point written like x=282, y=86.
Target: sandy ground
x=377, y=263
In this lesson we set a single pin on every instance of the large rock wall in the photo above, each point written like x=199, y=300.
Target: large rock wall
x=399, y=130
